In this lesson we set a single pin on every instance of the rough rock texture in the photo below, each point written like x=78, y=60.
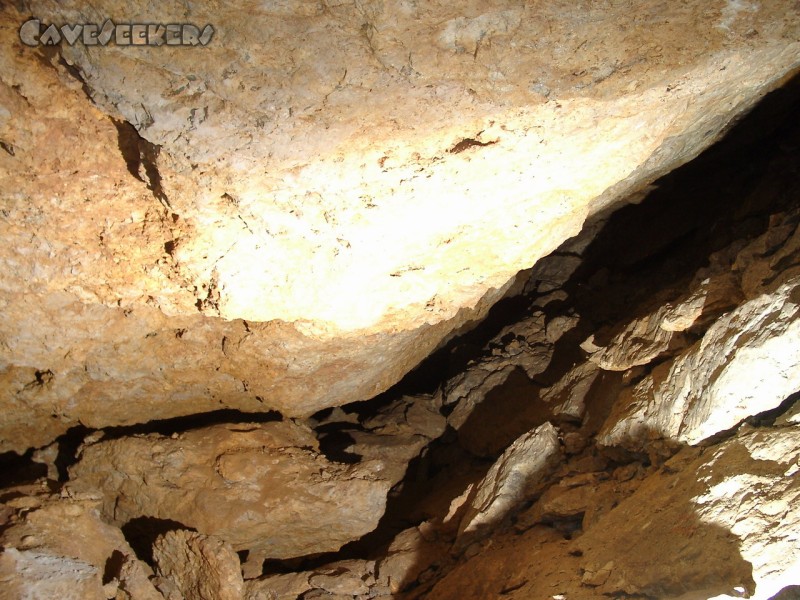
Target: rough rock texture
x=292, y=216
x=264, y=488
x=746, y=362
x=345, y=578
x=715, y=523
x=241, y=225
x=58, y=547
x=201, y=567
x=514, y=478
x=30, y=574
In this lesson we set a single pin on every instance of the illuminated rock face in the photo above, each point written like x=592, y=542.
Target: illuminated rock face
x=294, y=215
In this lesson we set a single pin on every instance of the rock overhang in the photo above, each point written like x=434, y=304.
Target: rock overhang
x=334, y=189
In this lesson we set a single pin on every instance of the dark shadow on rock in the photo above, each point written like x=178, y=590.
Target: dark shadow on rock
x=725, y=194
x=142, y=532
x=647, y=541
x=19, y=468
x=790, y=592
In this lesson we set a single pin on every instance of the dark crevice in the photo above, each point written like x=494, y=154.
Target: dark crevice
x=128, y=143
x=68, y=445
x=455, y=355
x=167, y=427
x=142, y=532
x=765, y=418
x=725, y=194
x=16, y=469
x=334, y=441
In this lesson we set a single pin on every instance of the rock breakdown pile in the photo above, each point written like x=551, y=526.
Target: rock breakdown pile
x=219, y=260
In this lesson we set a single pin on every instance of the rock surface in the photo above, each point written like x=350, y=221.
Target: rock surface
x=746, y=362
x=59, y=547
x=201, y=567
x=158, y=201
x=516, y=477
x=31, y=574
x=264, y=488
x=291, y=217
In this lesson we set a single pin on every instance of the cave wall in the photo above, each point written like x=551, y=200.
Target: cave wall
x=294, y=215
x=626, y=427
x=217, y=271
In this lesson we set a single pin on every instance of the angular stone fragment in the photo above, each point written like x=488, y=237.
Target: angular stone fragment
x=134, y=581
x=265, y=488
x=567, y=397
x=48, y=525
x=202, y=567
x=523, y=345
x=637, y=344
x=284, y=586
x=513, y=478
x=347, y=578
x=746, y=363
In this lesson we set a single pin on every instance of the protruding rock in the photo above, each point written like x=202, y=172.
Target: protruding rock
x=515, y=477
x=265, y=488
x=745, y=364
x=202, y=567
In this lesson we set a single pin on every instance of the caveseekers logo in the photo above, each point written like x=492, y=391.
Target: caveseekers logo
x=35, y=33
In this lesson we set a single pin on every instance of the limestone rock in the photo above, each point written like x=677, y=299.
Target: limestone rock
x=59, y=535
x=180, y=215
x=514, y=478
x=523, y=345
x=738, y=501
x=409, y=554
x=343, y=581
x=347, y=578
x=639, y=343
x=260, y=487
x=745, y=364
x=644, y=339
x=134, y=581
x=568, y=395
x=32, y=574
x=596, y=575
x=287, y=586
x=202, y=567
